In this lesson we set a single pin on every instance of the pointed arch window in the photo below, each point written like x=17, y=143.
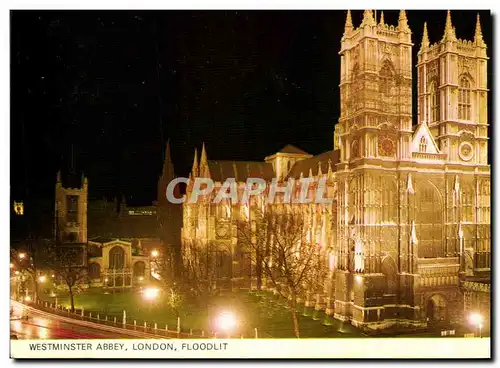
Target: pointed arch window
x=386, y=79
x=464, y=102
x=422, y=147
x=434, y=102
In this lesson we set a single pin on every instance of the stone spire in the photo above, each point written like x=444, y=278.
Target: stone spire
x=478, y=36
x=348, y=24
x=425, y=39
x=168, y=167
x=449, y=30
x=368, y=18
x=382, y=18
x=320, y=172
x=194, y=170
x=403, y=21
x=203, y=160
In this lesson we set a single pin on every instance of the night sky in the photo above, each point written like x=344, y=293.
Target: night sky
x=115, y=85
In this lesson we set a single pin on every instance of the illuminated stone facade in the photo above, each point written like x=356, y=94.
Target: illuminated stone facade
x=410, y=221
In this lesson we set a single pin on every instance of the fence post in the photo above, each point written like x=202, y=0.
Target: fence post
x=82, y=313
x=156, y=327
x=202, y=333
x=166, y=328
x=145, y=326
x=90, y=315
x=256, y=333
x=98, y=316
x=190, y=332
x=106, y=319
x=135, y=324
x=178, y=326
x=114, y=320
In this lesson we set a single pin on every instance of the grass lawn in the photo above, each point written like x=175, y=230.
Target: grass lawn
x=263, y=312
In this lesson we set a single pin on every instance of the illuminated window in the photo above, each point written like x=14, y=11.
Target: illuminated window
x=19, y=208
x=464, y=104
x=434, y=102
x=423, y=145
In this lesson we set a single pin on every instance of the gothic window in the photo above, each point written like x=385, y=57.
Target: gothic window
x=467, y=202
x=434, y=102
x=389, y=205
x=423, y=145
x=464, y=104
x=429, y=221
x=72, y=208
x=116, y=258
x=386, y=79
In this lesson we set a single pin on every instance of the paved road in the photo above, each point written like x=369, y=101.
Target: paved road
x=41, y=326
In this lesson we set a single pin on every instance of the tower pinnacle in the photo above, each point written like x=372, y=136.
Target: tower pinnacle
x=425, y=39
x=194, y=170
x=449, y=30
x=348, y=23
x=478, y=36
x=403, y=22
x=368, y=18
x=382, y=18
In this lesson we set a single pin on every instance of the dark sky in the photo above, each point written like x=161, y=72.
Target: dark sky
x=116, y=85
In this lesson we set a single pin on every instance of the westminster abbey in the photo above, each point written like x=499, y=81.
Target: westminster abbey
x=407, y=237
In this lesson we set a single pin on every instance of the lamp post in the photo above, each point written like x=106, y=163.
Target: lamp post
x=477, y=321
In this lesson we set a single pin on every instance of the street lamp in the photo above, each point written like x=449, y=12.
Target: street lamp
x=226, y=321
x=150, y=294
x=154, y=253
x=42, y=279
x=22, y=255
x=12, y=265
x=477, y=320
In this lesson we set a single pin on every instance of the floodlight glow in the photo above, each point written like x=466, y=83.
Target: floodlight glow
x=42, y=278
x=476, y=319
x=22, y=255
x=150, y=293
x=226, y=321
x=27, y=298
x=154, y=253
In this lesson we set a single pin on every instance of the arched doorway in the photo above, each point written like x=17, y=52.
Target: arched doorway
x=436, y=309
x=429, y=221
x=116, y=258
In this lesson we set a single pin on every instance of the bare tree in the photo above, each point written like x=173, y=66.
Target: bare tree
x=280, y=243
x=69, y=267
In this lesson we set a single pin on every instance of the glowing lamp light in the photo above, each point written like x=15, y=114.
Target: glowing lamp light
x=105, y=280
x=42, y=278
x=476, y=319
x=154, y=253
x=226, y=321
x=12, y=265
x=17, y=272
x=53, y=275
x=141, y=278
x=27, y=298
x=150, y=293
x=22, y=255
